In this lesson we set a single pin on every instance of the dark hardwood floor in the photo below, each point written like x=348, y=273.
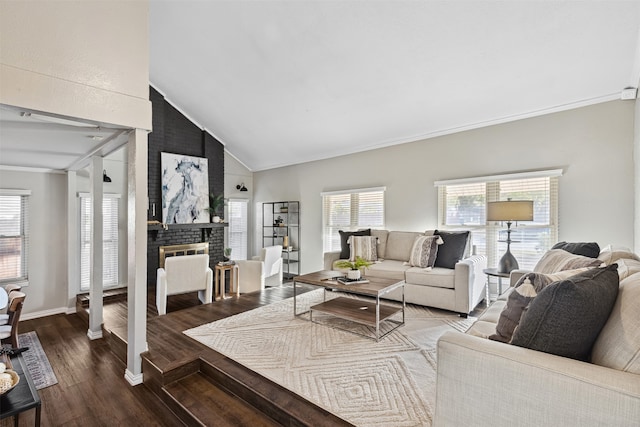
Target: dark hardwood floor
x=92, y=391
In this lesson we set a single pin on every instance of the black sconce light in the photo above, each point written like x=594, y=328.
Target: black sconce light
x=105, y=178
x=241, y=187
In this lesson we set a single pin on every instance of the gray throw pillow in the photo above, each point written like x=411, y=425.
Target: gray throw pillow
x=567, y=316
x=345, y=250
x=525, y=290
x=588, y=249
x=452, y=250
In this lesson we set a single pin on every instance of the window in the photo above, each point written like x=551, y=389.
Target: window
x=109, y=241
x=350, y=210
x=14, y=235
x=462, y=204
x=238, y=228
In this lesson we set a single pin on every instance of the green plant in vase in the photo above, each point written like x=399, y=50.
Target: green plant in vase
x=227, y=254
x=215, y=203
x=355, y=267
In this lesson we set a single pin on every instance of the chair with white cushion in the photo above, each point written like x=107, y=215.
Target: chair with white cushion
x=9, y=332
x=260, y=271
x=183, y=274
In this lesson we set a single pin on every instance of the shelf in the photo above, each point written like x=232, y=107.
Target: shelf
x=154, y=228
x=281, y=220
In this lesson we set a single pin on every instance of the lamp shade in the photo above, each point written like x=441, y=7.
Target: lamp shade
x=511, y=210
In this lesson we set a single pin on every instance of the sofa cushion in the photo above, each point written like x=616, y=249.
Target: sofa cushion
x=424, y=251
x=611, y=254
x=344, y=236
x=627, y=267
x=382, y=241
x=399, y=244
x=453, y=249
x=618, y=345
x=388, y=269
x=524, y=291
x=556, y=260
x=567, y=316
x=591, y=249
x=364, y=247
x=436, y=277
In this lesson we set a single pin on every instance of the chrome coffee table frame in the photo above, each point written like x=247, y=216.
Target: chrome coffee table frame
x=362, y=312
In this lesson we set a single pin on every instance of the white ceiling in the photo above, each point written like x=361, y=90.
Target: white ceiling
x=285, y=82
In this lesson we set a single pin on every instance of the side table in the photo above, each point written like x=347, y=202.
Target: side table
x=220, y=280
x=23, y=397
x=493, y=272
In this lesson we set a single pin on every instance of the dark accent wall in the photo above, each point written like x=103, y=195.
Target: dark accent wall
x=174, y=133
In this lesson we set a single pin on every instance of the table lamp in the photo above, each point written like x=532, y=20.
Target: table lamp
x=509, y=211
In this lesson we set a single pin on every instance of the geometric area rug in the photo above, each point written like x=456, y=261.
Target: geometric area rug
x=367, y=383
x=37, y=361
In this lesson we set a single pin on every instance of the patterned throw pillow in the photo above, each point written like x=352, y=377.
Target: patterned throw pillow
x=525, y=290
x=424, y=251
x=556, y=260
x=364, y=247
x=344, y=240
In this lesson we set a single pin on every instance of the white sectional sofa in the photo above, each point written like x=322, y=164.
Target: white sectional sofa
x=482, y=382
x=458, y=289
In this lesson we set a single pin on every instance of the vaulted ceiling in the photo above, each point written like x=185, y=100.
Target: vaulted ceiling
x=284, y=82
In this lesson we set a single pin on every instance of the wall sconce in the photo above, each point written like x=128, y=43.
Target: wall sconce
x=241, y=187
x=105, y=177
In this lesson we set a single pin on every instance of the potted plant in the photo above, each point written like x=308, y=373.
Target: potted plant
x=227, y=254
x=215, y=203
x=354, y=267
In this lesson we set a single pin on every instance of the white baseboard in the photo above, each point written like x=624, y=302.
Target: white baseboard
x=93, y=335
x=45, y=313
x=133, y=379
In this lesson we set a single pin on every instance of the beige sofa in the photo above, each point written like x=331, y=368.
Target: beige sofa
x=459, y=289
x=482, y=382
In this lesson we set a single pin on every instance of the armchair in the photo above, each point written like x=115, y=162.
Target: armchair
x=260, y=271
x=182, y=274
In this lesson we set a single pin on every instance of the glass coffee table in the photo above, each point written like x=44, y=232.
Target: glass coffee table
x=355, y=310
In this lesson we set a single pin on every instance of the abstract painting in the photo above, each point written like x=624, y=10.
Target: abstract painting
x=185, y=189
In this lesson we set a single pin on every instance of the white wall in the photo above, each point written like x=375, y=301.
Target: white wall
x=85, y=59
x=593, y=145
x=47, y=265
x=236, y=173
x=88, y=60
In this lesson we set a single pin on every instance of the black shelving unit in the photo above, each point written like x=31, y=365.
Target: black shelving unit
x=281, y=226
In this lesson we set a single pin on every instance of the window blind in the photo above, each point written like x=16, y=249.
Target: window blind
x=238, y=228
x=462, y=204
x=14, y=236
x=350, y=210
x=110, y=206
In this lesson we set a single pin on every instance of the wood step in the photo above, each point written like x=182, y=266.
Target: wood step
x=196, y=401
x=110, y=295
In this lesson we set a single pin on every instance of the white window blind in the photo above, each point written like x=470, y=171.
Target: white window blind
x=109, y=239
x=238, y=228
x=462, y=205
x=14, y=236
x=351, y=210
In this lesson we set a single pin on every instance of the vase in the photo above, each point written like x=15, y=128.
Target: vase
x=353, y=274
x=216, y=219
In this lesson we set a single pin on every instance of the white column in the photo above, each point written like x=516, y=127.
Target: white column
x=73, y=228
x=137, y=250
x=95, y=289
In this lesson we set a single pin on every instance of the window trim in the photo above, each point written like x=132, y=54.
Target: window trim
x=87, y=195
x=25, y=232
x=327, y=238
x=492, y=193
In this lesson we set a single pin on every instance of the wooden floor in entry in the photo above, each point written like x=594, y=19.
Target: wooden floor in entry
x=185, y=381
